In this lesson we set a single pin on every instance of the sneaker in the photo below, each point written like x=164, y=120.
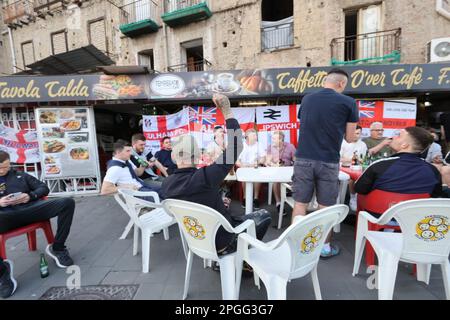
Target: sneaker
x=255, y=204
x=352, y=203
x=243, y=204
x=325, y=254
x=8, y=284
x=62, y=258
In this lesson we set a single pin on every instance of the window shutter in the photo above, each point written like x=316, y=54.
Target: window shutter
x=97, y=34
x=27, y=53
x=59, y=44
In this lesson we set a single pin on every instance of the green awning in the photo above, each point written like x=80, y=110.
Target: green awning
x=185, y=16
x=137, y=28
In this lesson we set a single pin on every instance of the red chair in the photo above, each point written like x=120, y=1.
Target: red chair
x=377, y=202
x=30, y=230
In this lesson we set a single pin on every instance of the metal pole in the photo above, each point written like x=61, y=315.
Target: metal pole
x=13, y=54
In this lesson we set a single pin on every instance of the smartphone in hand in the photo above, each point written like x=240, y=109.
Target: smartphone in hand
x=14, y=195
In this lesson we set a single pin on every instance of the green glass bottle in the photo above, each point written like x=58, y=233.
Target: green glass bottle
x=43, y=267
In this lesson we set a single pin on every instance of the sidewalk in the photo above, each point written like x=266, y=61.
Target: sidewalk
x=104, y=259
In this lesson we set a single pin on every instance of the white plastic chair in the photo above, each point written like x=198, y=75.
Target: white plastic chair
x=199, y=224
x=313, y=205
x=425, y=240
x=293, y=255
x=149, y=222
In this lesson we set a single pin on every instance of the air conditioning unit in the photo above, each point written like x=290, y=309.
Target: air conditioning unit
x=438, y=50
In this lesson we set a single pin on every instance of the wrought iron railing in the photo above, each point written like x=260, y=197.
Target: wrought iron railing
x=174, y=5
x=48, y=5
x=200, y=65
x=17, y=10
x=277, y=36
x=139, y=10
x=367, y=48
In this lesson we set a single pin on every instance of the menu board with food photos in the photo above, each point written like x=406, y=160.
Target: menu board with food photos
x=67, y=142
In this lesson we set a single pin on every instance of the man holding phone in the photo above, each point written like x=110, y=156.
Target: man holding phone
x=378, y=145
x=21, y=205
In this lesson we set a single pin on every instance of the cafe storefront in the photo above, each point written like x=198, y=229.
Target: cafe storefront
x=72, y=120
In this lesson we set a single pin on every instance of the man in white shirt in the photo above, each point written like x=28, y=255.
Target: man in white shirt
x=347, y=152
x=348, y=149
x=121, y=172
x=249, y=158
x=215, y=148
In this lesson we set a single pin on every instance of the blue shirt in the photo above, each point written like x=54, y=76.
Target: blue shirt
x=323, y=120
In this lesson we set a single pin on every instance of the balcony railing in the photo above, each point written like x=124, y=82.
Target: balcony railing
x=200, y=65
x=368, y=48
x=276, y=36
x=182, y=12
x=17, y=10
x=138, y=11
x=174, y=5
x=49, y=5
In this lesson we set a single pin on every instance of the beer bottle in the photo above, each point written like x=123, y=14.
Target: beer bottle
x=354, y=159
x=43, y=267
x=141, y=162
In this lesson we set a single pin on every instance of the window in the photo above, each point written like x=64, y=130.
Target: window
x=59, y=42
x=27, y=53
x=145, y=58
x=277, y=26
x=192, y=53
x=97, y=34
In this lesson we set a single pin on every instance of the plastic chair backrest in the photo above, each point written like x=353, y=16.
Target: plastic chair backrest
x=199, y=225
x=425, y=225
x=378, y=201
x=306, y=237
x=133, y=204
x=266, y=174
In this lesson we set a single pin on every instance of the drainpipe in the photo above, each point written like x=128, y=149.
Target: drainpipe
x=13, y=53
x=166, y=40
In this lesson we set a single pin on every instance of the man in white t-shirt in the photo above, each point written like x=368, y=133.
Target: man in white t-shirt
x=121, y=172
x=250, y=157
x=347, y=152
x=348, y=149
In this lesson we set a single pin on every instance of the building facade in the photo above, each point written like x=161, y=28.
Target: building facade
x=193, y=35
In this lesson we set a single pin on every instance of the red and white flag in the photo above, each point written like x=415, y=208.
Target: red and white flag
x=277, y=118
x=157, y=127
x=22, y=146
x=394, y=114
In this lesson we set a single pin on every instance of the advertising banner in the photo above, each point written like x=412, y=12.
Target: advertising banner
x=67, y=142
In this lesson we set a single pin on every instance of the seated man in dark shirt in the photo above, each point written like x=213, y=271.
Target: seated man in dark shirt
x=404, y=172
x=202, y=185
x=21, y=205
x=164, y=156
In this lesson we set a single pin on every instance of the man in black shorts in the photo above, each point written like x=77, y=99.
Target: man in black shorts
x=325, y=117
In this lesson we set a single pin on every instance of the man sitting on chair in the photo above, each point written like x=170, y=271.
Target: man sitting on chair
x=404, y=172
x=121, y=172
x=21, y=205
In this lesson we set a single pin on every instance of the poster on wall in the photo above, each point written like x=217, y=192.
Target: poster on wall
x=67, y=144
x=395, y=114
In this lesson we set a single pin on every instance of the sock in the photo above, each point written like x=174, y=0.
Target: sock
x=58, y=246
x=326, y=247
x=2, y=268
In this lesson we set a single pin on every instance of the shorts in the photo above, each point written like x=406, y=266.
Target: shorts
x=310, y=175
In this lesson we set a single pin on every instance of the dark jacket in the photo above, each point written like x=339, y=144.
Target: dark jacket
x=165, y=157
x=202, y=185
x=25, y=183
x=405, y=173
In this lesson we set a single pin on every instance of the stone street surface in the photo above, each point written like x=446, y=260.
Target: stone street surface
x=104, y=259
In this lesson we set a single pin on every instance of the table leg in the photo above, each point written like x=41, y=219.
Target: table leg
x=248, y=197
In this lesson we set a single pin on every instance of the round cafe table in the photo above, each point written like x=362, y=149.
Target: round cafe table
x=354, y=174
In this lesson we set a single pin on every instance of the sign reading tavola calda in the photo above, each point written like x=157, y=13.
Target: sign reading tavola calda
x=252, y=83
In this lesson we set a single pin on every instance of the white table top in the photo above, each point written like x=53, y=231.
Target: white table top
x=265, y=174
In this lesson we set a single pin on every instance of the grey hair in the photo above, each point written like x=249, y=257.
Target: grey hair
x=373, y=124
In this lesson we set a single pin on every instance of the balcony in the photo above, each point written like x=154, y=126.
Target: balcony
x=277, y=35
x=182, y=12
x=49, y=7
x=200, y=65
x=139, y=18
x=18, y=13
x=380, y=47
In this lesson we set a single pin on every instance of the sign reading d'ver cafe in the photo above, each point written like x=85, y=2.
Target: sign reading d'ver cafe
x=250, y=83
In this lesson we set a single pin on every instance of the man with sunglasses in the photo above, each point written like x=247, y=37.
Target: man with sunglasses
x=378, y=145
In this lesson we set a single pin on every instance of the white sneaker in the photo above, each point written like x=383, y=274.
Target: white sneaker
x=352, y=203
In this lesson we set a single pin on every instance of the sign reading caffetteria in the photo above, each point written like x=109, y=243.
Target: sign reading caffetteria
x=253, y=83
